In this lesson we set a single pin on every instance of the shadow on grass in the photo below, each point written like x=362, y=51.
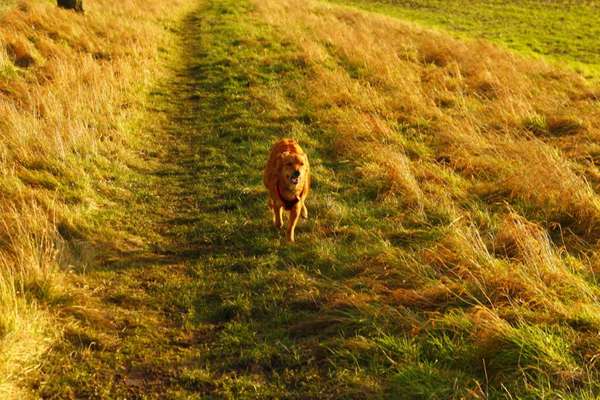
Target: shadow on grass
x=265, y=308
x=242, y=312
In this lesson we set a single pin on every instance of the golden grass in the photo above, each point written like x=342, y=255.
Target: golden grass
x=462, y=129
x=68, y=85
x=379, y=80
x=498, y=148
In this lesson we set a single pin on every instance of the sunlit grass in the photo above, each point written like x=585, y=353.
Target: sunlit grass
x=66, y=88
x=450, y=250
x=560, y=31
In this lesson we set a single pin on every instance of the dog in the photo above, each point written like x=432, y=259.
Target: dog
x=287, y=178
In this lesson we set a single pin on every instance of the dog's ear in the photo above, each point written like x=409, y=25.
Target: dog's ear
x=305, y=158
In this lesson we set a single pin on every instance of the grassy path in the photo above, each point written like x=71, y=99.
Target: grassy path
x=197, y=307
x=386, y=292
x=216, y=302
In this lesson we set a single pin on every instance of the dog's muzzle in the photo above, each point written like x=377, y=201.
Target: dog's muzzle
x=295, y=177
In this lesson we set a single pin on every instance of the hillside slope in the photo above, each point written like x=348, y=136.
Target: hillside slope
x=563, y=31
x=450, y=250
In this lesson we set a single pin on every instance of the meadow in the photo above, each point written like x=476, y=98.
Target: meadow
x=563, y=31
x=451, y=247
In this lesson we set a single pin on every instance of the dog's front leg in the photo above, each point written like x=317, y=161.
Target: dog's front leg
x=277, y=214
x=294, y=216
x=304, y=211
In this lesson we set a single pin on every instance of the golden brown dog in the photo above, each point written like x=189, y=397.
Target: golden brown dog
x=287, y=177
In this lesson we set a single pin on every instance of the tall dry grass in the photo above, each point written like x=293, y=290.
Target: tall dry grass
x=68, y=85
x=502, y=146
x=383, y=82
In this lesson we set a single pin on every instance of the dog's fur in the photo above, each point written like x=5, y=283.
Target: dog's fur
x=287, y=177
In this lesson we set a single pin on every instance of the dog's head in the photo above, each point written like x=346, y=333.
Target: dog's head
x=293, y=169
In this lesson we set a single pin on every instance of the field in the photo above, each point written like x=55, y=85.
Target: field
x=560, y=31
x=450, y=250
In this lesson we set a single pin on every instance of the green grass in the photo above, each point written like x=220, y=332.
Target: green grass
x=562, y=31
x=226, y=307
x=202, y=298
